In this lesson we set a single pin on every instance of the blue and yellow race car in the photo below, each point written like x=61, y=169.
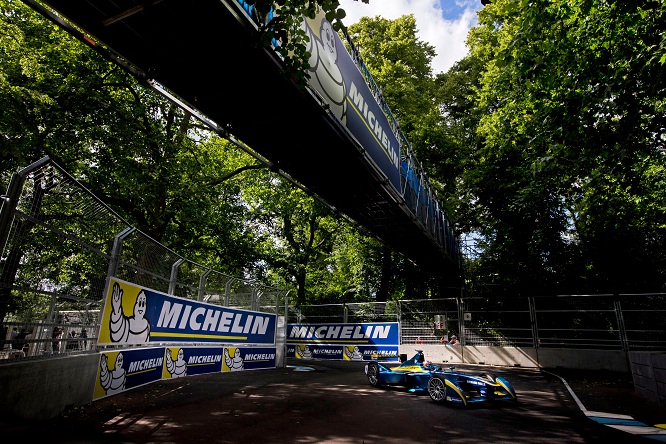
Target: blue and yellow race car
x=443, y=385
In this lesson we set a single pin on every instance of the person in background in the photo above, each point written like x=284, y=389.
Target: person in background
x=72, y=344
x=84, y=339
x=57, y=335
x=29, y=346
x=19, y=340
x=12, y=337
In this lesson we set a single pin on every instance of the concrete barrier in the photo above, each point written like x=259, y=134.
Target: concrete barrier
x=42, y=389
x=648, y=370
x=611, y=360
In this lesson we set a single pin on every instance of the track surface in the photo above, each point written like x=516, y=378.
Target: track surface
x=333, y=403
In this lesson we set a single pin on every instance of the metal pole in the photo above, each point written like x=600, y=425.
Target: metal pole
x=116, y=251
x=202, y=284
x=9, y=203
x=227, y=291
x=286, y=323
x=620, y=324
x=174, y=275
x=535, y=327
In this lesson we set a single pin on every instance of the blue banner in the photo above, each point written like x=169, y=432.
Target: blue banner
x=249, y=358
x=334, y=75
x=342, y=352
x=376, y=333
x=189, y=361
x=137, y=315
x=126, y=369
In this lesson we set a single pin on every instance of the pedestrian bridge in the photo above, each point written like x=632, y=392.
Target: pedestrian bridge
x=335, y=138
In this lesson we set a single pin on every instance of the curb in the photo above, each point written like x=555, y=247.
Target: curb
x=624, y=423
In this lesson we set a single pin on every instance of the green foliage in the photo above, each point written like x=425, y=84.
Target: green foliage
x=285, y=28
x=401, y=63
x=572, y=130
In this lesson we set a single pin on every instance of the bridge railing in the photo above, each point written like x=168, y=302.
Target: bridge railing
x=58, y=245
x=416, y=190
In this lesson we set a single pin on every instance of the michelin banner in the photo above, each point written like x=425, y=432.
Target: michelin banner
x=375, y=333
x=123, y=370
x=248, y=358
x=189, y=361
x=349, y=342
x=137, y=315
x=127, y=369
x=343, y=352
x=334, y=75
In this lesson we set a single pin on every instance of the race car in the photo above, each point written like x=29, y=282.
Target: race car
x=446, y=386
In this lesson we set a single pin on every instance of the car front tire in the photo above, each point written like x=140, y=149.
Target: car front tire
x=437, y=389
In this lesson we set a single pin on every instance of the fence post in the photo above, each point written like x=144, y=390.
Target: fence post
x=174, y=276
x=620, y=323
x=9, y=202
x=533, y=322
x=202, y=284
x=227, y=291
x=116, y=251
x=256, y=295
x=398, y=309
x=461, y=321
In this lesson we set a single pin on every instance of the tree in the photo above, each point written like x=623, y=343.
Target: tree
x=143, y=156
x=281, y=22
x=572, y=133
x=401, y=63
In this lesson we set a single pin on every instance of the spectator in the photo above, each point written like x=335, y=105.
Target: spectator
x=84, y=339
x=12, y=337
x=19, y=340
x=29, y=346
x=57, y=335
x=72, y=344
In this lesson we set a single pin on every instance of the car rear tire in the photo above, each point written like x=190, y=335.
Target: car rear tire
x=373, y=374
x=437, y=389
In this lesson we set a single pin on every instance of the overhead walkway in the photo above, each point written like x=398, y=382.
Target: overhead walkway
x=207, y=53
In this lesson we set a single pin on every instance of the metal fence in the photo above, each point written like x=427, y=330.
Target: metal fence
x=629, y=322
x=59, y=244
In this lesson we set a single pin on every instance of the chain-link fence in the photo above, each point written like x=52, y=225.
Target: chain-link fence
x=59, y=243
x=630, y=322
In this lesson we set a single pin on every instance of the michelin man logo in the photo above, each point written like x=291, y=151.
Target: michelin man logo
x=325, y=75
x=303, y=352
x=112, y=380
x=128, y=329
x=177, y=368
x=235, y=362
x=353, y=353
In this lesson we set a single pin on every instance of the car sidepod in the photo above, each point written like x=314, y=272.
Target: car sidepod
x=411, y=374
x=417, y=381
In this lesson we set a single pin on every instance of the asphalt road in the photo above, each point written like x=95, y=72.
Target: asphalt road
x=333, y=403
